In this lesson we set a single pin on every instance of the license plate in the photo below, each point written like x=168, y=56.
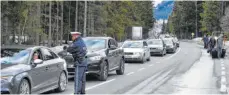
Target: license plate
x=71, y=65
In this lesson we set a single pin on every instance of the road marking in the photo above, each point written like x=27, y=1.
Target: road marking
x=141, y=69
x=221, y=62
x=223, y=68
x=173, y=54
x=223, y=87
x=223, y=73
x=100, y=84
x=157, y=62
x=151, y=65
x=222, y=65
x=130, y=73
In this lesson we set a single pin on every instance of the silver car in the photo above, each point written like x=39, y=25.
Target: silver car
x=170, y=45
x=136, y=51
x=157, y=46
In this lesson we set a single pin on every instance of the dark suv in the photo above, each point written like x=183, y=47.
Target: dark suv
x=103, y=56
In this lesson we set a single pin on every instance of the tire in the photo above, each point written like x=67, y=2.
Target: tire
x=24, y=87
x=148, y=59
x=103, y=74
x=121, y=69
x=62, y=83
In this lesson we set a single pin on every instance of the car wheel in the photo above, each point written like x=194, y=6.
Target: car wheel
x=148, y=59
x=24, y=87
x=103, y=72
x=121, y=68
x=62, y=84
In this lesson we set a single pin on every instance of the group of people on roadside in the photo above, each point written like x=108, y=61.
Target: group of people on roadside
x=211, y=42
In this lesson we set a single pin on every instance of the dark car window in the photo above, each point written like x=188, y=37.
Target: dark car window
x=145, y=44
x=39, y=54
x=113, y=42
x=47, y=54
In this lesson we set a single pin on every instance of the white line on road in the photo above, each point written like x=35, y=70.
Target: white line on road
x=141, y=69
x=222, y=65
x=151, y=65
x=223, y=73
x=221, y=62
x=223, y=80
x=130, y=73
x=223, y=68
x=100, y=84
x=173, y=54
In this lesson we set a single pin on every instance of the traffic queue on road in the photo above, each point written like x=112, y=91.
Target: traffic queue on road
x=38, y=69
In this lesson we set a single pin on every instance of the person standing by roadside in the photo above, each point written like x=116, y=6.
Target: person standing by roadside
x=220, y=45
x=205, y=39
x=78, y=50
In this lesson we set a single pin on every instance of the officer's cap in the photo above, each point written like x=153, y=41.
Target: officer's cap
x=75, y=33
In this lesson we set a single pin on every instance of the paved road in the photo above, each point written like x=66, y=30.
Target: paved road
x=144, y=78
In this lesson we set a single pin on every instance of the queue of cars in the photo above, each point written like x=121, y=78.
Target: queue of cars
x=38, y=69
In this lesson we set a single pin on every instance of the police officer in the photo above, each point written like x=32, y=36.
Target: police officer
x=78, y=50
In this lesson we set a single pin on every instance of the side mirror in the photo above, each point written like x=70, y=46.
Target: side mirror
x=38, y=61
x=112, y=47
x=65, y=48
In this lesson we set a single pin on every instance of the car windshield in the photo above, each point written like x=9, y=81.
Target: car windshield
x=168, y=42
x=95, y=44
x=133, y=45
x=154, y=42
x=13, y=57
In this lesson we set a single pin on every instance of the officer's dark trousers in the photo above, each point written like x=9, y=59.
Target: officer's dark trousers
x=80, y=79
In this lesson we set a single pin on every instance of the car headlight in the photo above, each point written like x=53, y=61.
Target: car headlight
x=7, y=78
x=95, y=58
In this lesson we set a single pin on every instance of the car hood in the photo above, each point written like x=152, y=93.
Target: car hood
x=133, y=50
x=155, y=46
x=13, y=69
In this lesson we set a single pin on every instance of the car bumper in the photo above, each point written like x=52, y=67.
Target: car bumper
x=132, y=58
x=92, y=68
x=170, y=50
x=7, y=87
x=156, y=51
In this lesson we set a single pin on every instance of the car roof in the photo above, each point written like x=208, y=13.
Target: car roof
x=155, y=39
x=134, y=40
x=106, y=38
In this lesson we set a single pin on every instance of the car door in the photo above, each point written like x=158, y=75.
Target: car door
x=146, y=49
x=38, y=73
x=111, y=55
x=51, y=62
x=117, y=54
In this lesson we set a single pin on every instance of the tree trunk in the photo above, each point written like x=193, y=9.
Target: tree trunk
x=50, y=23
x=62, y=17
x=76, y=19
x=85, y=20
x=57, y=37
x=69, y=19
x=38, y=22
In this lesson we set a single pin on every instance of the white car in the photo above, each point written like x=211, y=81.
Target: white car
x=136, y=51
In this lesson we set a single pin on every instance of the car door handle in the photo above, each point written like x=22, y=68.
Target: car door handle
x=46, y=68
